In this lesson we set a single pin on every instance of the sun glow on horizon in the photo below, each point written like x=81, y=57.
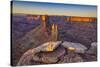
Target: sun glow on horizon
x=54, y=9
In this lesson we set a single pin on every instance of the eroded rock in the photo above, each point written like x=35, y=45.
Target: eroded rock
x=70, y=58
x=93, y=48
x=79, y=47
x=50, y=57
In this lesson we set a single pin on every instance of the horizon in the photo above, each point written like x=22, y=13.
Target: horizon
x=41, y=8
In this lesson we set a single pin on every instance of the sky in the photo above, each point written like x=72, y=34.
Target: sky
x=41, y=8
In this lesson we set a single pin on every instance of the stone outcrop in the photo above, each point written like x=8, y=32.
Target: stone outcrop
x=93, y=48
x=79, y=48
x=50, y=57
x=59, y=54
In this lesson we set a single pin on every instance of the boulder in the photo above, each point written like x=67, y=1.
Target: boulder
x=79, y=48
x=93, y=48
x=49, y=57
x=48, y=46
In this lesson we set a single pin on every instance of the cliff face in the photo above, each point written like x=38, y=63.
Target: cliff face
x=28, y=34
x=30, y=40
x=84, y=33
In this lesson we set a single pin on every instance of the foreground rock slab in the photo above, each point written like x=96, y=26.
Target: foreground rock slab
x=79, y=48
x=49, y=57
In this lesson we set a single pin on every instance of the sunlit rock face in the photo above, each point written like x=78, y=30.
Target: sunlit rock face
x=48, y=46
x=81, y=19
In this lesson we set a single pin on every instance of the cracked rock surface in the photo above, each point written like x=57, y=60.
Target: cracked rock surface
x=59, y=55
